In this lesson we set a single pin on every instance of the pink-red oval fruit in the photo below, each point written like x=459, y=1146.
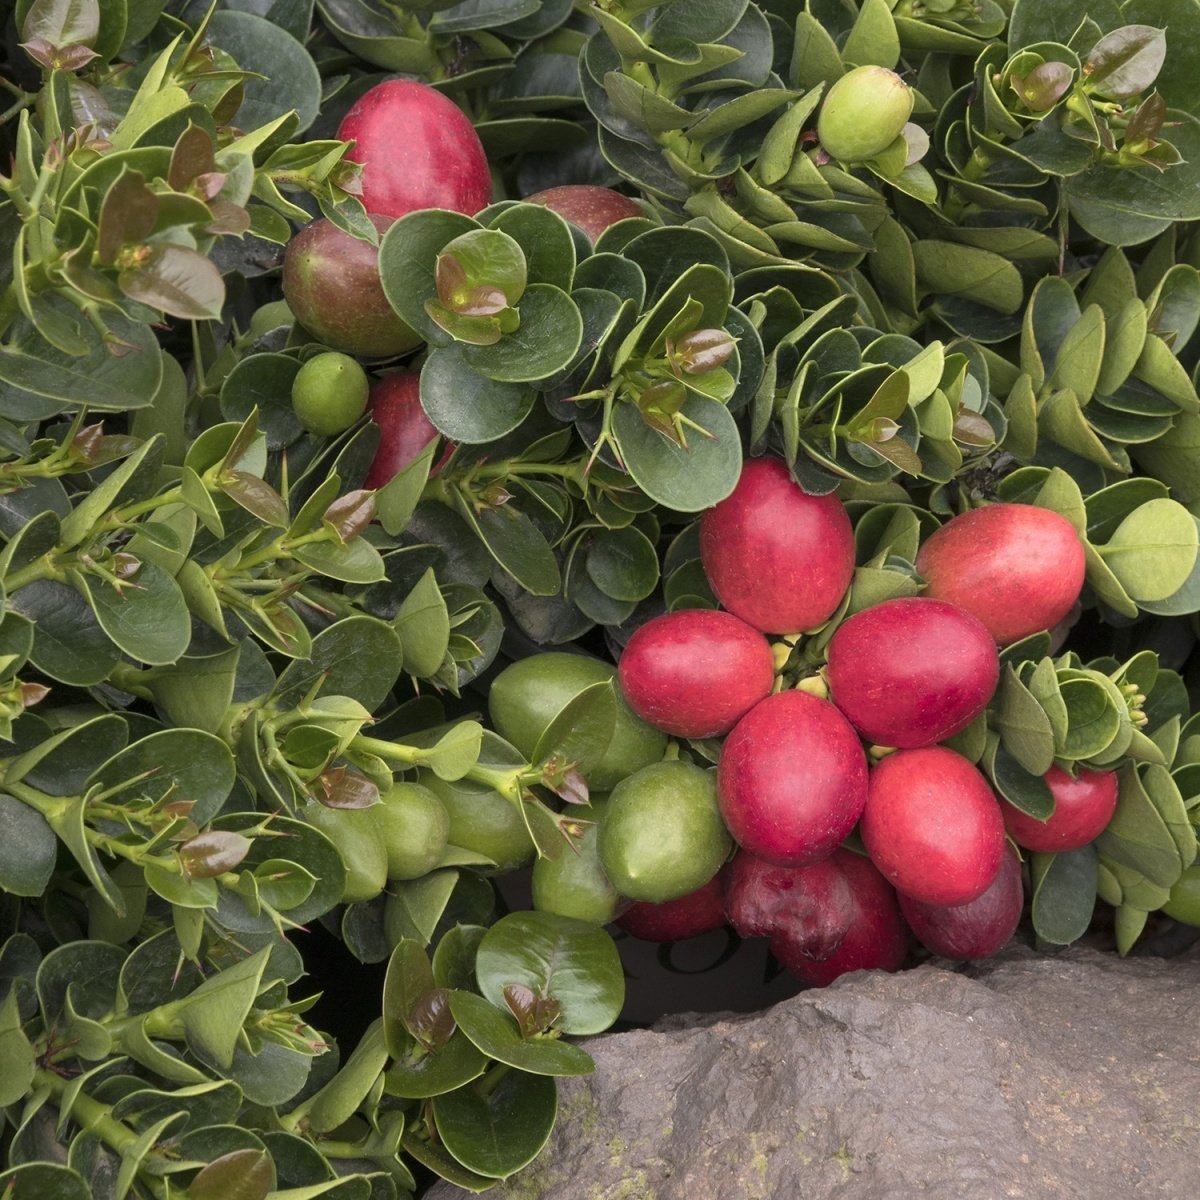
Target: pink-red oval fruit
x=875, y=937
x=1083, y=808
x=418, y=150
x=975, y=929
x=694, y=673
x=777, y=557
x=792, y=779
x=673, y=920
x=394, y=404
x=911, y=672
x=593, y=209
x=932, y=825
x=331, y=284
x=1016, y=567
x=814, y=902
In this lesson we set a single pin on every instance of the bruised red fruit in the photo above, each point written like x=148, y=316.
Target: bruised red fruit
x=331, y=284
x=875, y=938
x=913, y=671
x=932, y=825
x=777, y=557
x=593, y=209
x=1016, y=567
x=1083, y=808
x=792, y=779
x=394, y=405
x=694, y=673
x=418, y=150
x=673, y=920
x=975, y=929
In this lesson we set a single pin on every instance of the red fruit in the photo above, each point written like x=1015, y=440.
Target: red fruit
x=694, y=673
x=418, y=150
x=331, y=283
x=593, y=209
x=792, y=779
x=777, y=557
x=975, y=929
x=815, y=903
x=1016, y=567
x=404, y=429
x=1083, y=808
x=913, y=671
x=875, y=938
x=932, y=825
x=672, y=920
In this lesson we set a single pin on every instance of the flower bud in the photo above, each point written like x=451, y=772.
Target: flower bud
x=863, y=114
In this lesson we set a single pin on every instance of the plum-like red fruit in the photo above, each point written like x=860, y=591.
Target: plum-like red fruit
x=777, y=557
x=331, y=284
x=814, y=902
x=418, y=150
x=673, y=920
x=694, y=673
x=932, y=825
x=593, y=209
x=874, y=938
x=1083, y=807
x=792, y=779
x=394, y=405
x=1016, y=567
x=975, y=929
x=911, y=672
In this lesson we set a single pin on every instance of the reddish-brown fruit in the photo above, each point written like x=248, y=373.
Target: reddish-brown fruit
x=404, y=429
x=1016, y=567
x=673, y=920
x=777, y=557
x=815, y=902
x=331, y=284
x=932, y=825
x=1083, y=808
x=593, y=209
x=792, y=779
x=418, y=150
x=875, y=937
x=975, y=929
x=911, y=672
x=694, y=673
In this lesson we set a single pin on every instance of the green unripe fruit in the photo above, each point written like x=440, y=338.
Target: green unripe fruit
x=329, y=393
x=662, y=836
x=526, y=697
x=1184, y=904
x=574, y=884
x=863, y=114
x=415, y=828
x=482, y=821
x=355, y=835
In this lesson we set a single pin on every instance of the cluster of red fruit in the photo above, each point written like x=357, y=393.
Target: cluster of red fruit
x=794, y=777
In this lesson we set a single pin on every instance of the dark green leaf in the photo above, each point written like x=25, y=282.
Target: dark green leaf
x=468, y=406
x=1064, y=894
x=497, y=1035
x=28, y=850
x=238, y=1175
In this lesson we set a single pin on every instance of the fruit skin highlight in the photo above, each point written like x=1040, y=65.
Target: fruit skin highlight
x=792, y=779
x=777, y=557
x=587, y=206
x=694, y=673
x=913, y=671
x=1016, y=567
x=932, y=826
x=418, y=150
x=1083, y=807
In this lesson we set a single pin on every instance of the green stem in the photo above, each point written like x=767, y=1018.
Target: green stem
x=40, y=568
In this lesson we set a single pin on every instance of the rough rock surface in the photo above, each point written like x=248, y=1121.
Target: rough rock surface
x=1025, y=1076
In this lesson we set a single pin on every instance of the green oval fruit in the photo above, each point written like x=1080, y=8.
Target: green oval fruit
x=864, y=113
x=355, y=835
x=482, y=821
x=527, y=696
x=331, y=283
x=574, y=884
x=1184, y=904
x=662, y=836
x=415, y=828
x=330, y=393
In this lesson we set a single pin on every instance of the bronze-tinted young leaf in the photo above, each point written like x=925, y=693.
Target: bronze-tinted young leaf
x=1044, y=86
x=239, y=1175
x=213, y=853
x=127, y=215
x=430, y=1020
x=701, y=351
x=178, y=280
x=350, y=514
x=342, y=787
x=1126, y=61
x=62, y=22
x=460, y=296
x=191, y=157
x=535, y=1014
x=1146, y=123
x=256, y=496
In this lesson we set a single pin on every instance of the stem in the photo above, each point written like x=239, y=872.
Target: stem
x=40, y=568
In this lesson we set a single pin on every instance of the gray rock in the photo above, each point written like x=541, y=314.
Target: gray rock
x=1025, y=1076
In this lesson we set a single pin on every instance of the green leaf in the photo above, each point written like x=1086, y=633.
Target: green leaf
x=45, y=1181
x=581, y=731
x=457, y=751
x=17, y=1059
x=622, y=563
x=351, y=562
x=340, y=1098
x=213, y=1015
x=97, y=503
x=466, y=405
x=545, y=342
x=1064, y=894
x=498, y=1131
x=148, y=619
x=1154, y=550
x=28, y=852
x=556, y=957
x=952, y=269
x=433, y=1073
x=1138, y=836
x=423, y=624
x=1024, y=727
x=517, y=544
x=358, y=656
x=239, y=1175
x=416, y=906
x=497, y=1035
x=1125, y=62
